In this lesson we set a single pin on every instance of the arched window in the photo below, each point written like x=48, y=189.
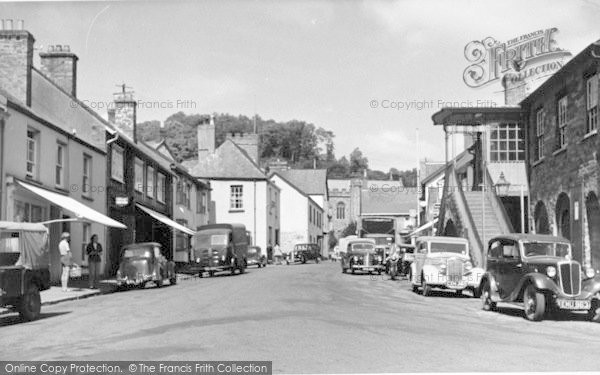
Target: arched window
x=341, y=211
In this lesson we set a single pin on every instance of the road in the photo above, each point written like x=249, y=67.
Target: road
x=305, y=318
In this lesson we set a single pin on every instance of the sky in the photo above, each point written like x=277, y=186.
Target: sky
x=335, y=64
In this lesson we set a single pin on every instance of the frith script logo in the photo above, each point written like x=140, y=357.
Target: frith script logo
x=524, y=58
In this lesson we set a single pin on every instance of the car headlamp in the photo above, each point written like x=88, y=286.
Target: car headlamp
x=379, y=258
x=590, y=272
x=551, y=271
x=355, y=258
x=468, y=266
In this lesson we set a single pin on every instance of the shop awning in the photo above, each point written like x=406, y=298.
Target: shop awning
x=162, y=218
x=77, y=208
x=423, y=227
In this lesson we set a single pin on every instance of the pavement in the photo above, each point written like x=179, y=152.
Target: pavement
x=306, y=318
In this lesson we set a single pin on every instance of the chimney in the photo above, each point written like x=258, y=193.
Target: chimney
x=247, y=142
x=515, y=89
x=16, y=60
x=60, y=65
x=111, y=115
x=125, y=112
x=206, y=138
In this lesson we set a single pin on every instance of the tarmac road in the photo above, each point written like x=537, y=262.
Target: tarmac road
x=304, y=318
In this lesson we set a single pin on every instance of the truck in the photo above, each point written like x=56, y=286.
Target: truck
x=381, y=229
x=218, y=248
x=24, y=267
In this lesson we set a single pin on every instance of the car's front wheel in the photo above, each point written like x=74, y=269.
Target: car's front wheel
x=534, y=303
x=486, y=300
x=415, y=288
x=30, y=304
x=425, y=287
x=593, y=314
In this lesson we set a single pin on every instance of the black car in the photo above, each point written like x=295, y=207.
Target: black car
x=538, y=271
x=304, y=252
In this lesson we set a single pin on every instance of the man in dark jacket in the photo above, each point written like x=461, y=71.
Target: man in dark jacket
x=93, y=250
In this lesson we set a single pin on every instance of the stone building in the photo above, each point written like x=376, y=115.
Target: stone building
x=562, y=157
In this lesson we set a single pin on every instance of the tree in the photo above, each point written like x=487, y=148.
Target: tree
x=350, y=230
x=358, y=163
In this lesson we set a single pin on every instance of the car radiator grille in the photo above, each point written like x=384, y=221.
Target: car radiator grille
x=570, y=278
x=454, y=269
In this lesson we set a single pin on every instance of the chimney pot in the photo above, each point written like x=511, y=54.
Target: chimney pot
x=9, y=24
x=67, y=48
x=20, y=24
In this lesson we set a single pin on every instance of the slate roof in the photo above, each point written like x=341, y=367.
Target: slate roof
x=229, y=161
x=389, y=201
x=310, y=181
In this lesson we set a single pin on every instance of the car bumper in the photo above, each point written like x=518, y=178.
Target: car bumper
x=134, y=281
x=376, y=268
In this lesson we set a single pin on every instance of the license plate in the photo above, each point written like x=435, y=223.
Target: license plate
x=455, y=283
x=572, y=304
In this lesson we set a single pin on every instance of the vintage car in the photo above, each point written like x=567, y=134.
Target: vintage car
x=444, y=263
x=539, y=272
x=219, y=248
x=24, y=267
x=360, y=254
x=256, y=257
x=304, y=252
x=143, y=262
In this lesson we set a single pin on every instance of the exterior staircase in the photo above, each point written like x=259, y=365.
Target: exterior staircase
x=476, y=215
x=484, y=214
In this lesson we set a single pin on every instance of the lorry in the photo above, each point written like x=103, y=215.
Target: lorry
x=218, y=248
x=24, y=267
x=381, y=229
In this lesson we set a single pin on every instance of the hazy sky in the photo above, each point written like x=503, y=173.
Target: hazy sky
x=318, y=61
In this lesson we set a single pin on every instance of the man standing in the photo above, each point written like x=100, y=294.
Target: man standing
x=278, y=254
x=66, y=259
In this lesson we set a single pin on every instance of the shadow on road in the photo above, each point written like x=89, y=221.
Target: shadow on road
x=12, y=319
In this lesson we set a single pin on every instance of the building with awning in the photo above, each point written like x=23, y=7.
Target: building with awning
x=52, y=147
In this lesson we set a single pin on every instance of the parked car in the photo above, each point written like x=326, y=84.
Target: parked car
x=444, y=263
x=143, y=262
x=24, y=267
x=218, y=248
x=359, y=254
x=256, y=257
x=539, y=272
x=304, y=252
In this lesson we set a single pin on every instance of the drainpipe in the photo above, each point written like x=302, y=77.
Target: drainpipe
x=254, y=239
x=3, y=116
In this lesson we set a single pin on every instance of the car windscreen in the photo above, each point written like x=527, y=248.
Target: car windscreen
x=445, y=247
x=300, y=247
x=363, y=247
x=143, y=252
x=554, y=249
x=382, y=240
x=212, y=239
x=252, y=251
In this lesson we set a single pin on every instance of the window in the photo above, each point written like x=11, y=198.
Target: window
x=87, y=234
x=539, y=134
x=562, y=122
x=59, y=176
x=86, y=181
x=592, y=104
x=138, y=175
x=27, y=212
x=340, y=211
x=201, y=201
x=236, y=201
x=32, y=153
x=182, y=240
x=116, y=164
x=179, y=192
x=161, y=186
x=150, y=182
x=507, y=143
x=310, y=216
x=188, y=195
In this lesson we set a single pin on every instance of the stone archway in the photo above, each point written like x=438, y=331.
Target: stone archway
x=450, y=229
x=592, y=208
x=540, y=217
x=563, y=215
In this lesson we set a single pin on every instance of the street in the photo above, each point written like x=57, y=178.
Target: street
x=305, y=318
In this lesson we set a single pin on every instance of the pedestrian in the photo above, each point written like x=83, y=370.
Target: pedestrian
x=93, y=250
x=278, y=254
x=66, y=259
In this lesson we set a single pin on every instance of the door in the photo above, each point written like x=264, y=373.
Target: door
x=510, y=268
